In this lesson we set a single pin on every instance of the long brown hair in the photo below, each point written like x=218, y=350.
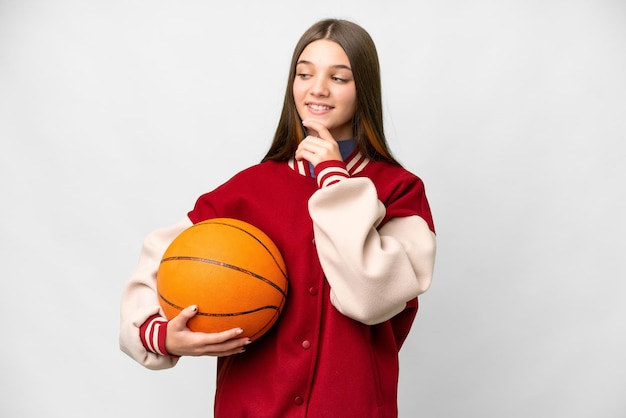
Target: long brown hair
x=368, y=129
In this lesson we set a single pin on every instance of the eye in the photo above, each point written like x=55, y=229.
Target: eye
x=340, y=80
x=303, y=76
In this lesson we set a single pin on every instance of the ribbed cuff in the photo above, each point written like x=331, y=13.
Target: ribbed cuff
x=330, y=172
x=152, y=334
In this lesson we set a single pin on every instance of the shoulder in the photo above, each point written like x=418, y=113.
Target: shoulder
x=401, y=191
x=387, y=175
x=240, y=189
x=256, y=173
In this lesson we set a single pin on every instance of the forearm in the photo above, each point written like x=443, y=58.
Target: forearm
x=372, y=273
x=140, y=300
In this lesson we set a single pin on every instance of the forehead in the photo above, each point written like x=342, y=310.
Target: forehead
x=324, y=53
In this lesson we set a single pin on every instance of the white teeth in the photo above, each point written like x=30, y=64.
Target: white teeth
x=319, y=107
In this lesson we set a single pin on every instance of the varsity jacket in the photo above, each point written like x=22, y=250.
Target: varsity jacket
x=359, y=244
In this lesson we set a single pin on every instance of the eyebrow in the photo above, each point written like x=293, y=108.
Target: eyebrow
x=337, y=66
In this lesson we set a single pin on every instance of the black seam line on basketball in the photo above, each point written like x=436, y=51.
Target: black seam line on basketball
x=173, y=305
x=252, y=236
x=226, y=265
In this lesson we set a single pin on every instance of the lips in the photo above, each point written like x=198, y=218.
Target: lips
x=318, y=107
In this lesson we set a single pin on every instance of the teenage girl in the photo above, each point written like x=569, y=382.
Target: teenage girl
x=357, y=236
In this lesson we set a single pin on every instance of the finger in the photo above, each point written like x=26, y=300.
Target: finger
x=202, y=343
x=319, y=129
x=180, y=321
x=303, y=154
x=226, y=348
x=223, y=336
x=312, y=143
x=231, y=352
x=308, y=147
x=231, y=346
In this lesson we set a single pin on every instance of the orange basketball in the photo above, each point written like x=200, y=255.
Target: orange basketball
x=231, y=270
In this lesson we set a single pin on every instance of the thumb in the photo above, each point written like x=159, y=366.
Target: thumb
x=185, y=315
x=318, y=129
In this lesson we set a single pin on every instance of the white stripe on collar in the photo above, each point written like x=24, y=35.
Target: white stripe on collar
x=355, y=163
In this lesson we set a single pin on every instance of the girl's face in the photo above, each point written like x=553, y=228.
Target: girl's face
x=324, y=88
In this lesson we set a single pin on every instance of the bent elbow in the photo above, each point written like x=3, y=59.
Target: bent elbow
x=368, y=313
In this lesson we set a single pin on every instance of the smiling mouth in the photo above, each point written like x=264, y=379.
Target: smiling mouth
x=318, y=107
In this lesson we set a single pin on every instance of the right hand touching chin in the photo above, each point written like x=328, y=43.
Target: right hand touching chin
x=181, y=341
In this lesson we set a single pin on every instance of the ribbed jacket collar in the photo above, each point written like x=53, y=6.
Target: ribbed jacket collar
x=355, y=162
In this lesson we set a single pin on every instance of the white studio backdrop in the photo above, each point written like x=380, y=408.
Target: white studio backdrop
x=116, y=115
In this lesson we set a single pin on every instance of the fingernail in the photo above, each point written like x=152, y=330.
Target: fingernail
x=239, y=331
x=194, y=308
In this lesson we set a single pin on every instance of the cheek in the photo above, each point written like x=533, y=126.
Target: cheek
x=298, y=98
x=348, y=97
x=298, y=92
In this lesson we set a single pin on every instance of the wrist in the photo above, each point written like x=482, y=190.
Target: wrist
x=153, y=333
x=330, y=172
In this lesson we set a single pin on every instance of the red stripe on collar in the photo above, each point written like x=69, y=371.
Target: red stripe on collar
x=354, y=163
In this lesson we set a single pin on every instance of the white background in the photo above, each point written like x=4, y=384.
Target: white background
x=116, y=115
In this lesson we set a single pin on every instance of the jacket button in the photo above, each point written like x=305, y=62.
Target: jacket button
x=306, y=344
x=313, y=291
x=298, y=400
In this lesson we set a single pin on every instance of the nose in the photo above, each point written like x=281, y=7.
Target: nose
x=319, y=88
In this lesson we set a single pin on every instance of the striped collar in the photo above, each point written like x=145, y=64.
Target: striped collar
x=355, y=163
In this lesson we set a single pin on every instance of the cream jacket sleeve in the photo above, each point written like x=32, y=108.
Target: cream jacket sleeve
x=139, y=298
x=372, y=273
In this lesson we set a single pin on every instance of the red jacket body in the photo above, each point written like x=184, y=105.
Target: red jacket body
x=314, y=362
